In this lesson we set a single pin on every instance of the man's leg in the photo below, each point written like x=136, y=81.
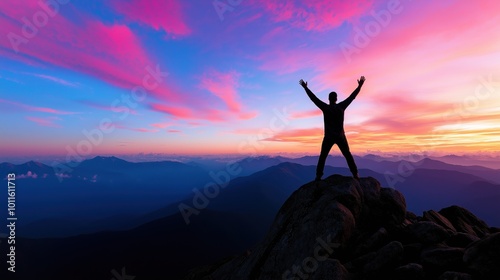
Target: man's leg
x=326, y=146
x=344, y=149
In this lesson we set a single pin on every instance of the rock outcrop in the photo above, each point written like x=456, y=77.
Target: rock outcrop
x=341, y=228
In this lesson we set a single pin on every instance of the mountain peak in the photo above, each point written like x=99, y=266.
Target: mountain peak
x=33, y=166
x=341, y=228
x=102, y=158
x=105, y=160
x=105, y=163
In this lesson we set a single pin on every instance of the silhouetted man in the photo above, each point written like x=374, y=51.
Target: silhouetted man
x=333, y=114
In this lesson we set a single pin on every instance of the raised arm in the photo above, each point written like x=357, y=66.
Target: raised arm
x=311, y=95
x=353, y=95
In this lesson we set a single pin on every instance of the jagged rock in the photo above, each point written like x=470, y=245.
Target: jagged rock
x=428, y=232
x=411, y=271
x=341, y=228
x=329, y=269
x=359, y=262
x=433, y=216
x=483, y=256
x=453, y=275
x=440, y=259
x=464, y=221
x=461, y=239
x=312, y=223
x=387, y=256
x=307, y=229
x=372, y=243
x=412, y=217
x=385, y=207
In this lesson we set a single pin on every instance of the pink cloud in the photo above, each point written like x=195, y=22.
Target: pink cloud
x=35, y=108
x=161, y=125
x=223, y=85
x=119, y=126
x=195, y=124
x=144, y=130
x=247, y=115
x=110, y=52
x=49, y=121
x=158, y=14
x=306, y=114
x=314, y=15
x=423, y=35
x=302, y=135
x=206, y=114
x=174, y=131
x=175, y=111
x=247, y=131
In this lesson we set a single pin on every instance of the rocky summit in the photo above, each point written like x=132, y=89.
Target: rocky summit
x=341, y=228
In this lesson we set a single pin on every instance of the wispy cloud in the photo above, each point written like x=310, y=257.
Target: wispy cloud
x=161, y=125
x=302, y=135
x=28, y=174
x=11, y=79
x=48, y=121
x=306, y=114
x=140, y=129
x=31, y=108
x=57, y=80
x=144, y=130
x=317, y=15
x=224, y=86
x=159, y=14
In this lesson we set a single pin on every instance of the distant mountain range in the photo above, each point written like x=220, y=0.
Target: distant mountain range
x=96, y=193
x=108, y=193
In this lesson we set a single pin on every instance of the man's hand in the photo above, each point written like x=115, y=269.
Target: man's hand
x=302, y=83
x=361, y=80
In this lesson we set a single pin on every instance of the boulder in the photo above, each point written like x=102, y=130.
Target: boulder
x=427, y=232
x=308, y=229
x=464, y=221
x=329, y=269
x=461, y=239
x=441, y=259
x=483, y=257
x=387, y=257
x=371, y=243
x=433, y=216
x=411, y=271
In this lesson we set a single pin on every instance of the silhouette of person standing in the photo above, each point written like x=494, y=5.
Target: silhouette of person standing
x=333, y=115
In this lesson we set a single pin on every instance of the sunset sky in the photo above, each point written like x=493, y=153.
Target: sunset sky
x=221, y=77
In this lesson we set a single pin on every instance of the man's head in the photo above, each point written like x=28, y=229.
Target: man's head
x=332, y=97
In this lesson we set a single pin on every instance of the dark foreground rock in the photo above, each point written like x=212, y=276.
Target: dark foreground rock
x=342, y=228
